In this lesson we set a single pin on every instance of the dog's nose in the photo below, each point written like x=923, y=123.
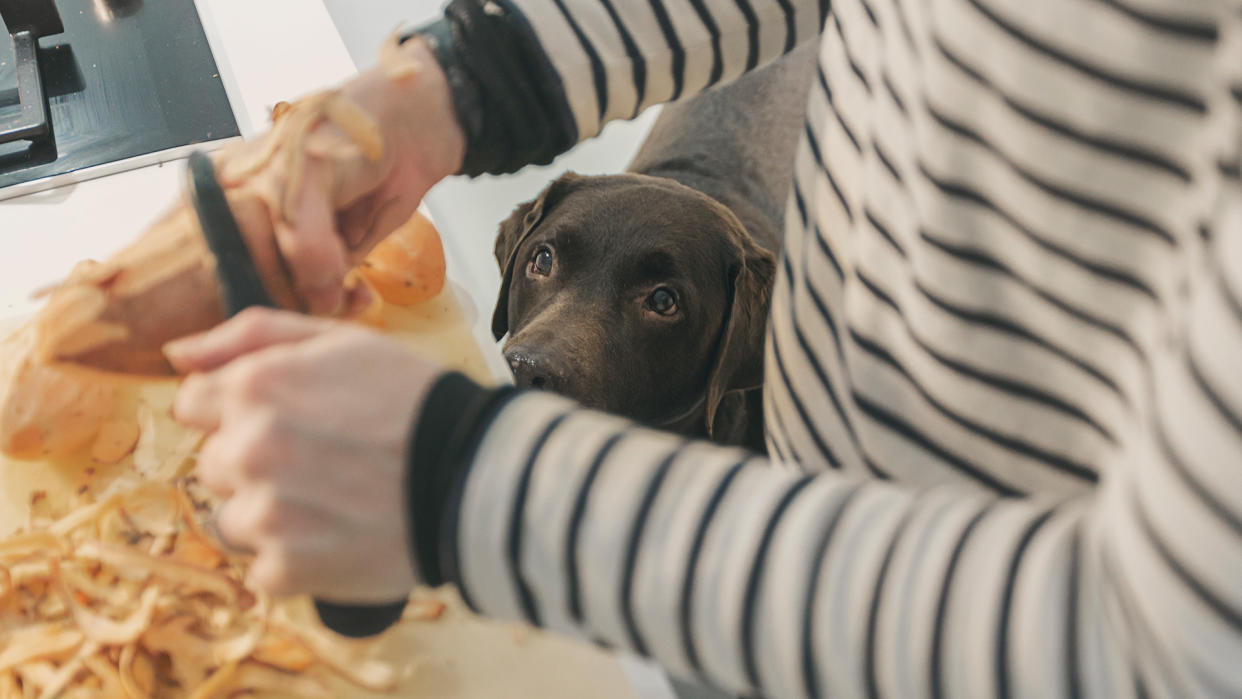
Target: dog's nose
x=533, y=369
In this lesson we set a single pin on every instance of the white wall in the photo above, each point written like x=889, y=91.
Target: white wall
x=469, y=210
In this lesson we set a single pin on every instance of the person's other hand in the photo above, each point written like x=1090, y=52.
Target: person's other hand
x=321, y=196
x=309, y=423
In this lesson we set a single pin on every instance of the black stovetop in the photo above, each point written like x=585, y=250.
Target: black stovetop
x=127, y=78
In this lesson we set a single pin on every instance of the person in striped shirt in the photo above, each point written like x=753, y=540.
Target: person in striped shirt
x=1003, y=391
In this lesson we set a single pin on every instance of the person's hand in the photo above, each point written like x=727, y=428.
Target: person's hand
x=325, y=196
x=310, y=421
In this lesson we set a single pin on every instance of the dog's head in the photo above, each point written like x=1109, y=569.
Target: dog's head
x=635, y=295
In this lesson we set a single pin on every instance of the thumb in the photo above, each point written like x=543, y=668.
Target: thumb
x=251, y=330
x=310, y=244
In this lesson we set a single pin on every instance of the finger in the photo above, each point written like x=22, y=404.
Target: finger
x=384, y=219
x=270, y=571
x=232, y=525
x=198, y=402
x=214, y=529
x=356, y=221
x=249, y=522
x=314, y=250
x=251, y=330
x=360, y=298
x=213, y=469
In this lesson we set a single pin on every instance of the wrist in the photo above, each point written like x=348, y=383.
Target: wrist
x=447, y=428
x=508, y=98
x=415, y=113
x=443, y=145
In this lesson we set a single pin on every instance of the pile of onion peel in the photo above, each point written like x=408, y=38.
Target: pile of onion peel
x=128, y=596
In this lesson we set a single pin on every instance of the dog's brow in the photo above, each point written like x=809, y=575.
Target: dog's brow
x=561, y=236
x=658, y=264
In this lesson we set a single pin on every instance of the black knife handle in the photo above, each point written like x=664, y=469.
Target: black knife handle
x=241, y=288
x=240, y=285
x=358, y=621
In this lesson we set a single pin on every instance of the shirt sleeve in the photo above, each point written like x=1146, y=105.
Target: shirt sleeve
x=757, y=577
x=626, y=56
x=531, y=78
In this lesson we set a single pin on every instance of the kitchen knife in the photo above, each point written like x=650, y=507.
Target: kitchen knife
x=241, y=287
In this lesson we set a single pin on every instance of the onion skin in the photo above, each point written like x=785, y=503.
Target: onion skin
x=408, y=267
x=160, y=288
x=47, y=411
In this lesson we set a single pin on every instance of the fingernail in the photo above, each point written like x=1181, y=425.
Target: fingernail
x=181, y=352
x=177, y=350
x=176, y=346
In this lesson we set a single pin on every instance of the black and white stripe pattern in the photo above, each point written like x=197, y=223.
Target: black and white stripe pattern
x=618, y=57
x=1003, y=361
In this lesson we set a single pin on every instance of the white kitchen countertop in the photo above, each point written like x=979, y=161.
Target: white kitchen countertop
x=267, y=51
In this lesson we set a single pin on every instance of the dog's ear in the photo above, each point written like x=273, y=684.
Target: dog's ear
x=513, y=231
x=739, y=354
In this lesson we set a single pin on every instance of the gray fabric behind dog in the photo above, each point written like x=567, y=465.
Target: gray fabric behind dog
x=736, y=143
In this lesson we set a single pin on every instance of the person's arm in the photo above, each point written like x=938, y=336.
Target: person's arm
x=531, y=78
x=492, y=87
x=718, y=565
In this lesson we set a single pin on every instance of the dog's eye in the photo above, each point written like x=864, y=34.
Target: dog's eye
x=663, y=301
x=541, y=262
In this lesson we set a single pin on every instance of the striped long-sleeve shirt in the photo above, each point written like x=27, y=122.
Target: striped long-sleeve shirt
x=1004, y=362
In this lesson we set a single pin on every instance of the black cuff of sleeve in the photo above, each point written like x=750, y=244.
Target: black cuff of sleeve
x=509, y=99
x=454, y=418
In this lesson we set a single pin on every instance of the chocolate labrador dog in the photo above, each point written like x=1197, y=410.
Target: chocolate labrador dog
x=646, y=294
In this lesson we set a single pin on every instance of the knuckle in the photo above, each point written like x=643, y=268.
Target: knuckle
x=191, y=388
x=265, y=423
x=192, y=392
x=245, y=380
x=208, y=460
x=272, y=571
x=209, y=466
x=253, y=379
x=251, y=458
x=252, y=322
x=267, y=517
x=300, y=243
x=257, y=446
